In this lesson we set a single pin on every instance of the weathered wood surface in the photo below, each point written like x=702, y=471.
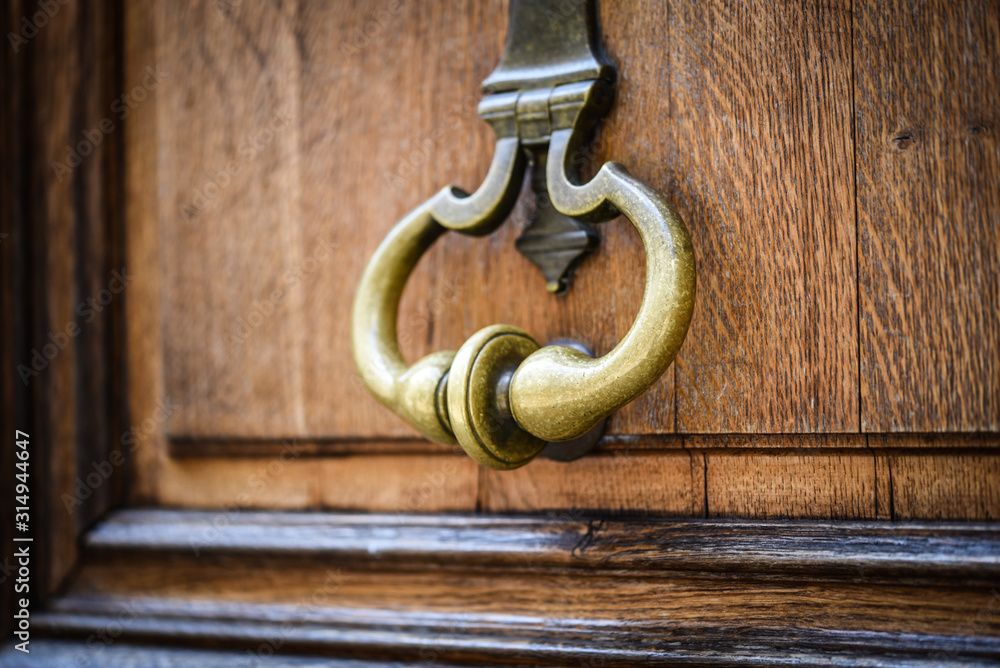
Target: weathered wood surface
x=741, y=115
x=543, y=591
x=927, y=110
x=823, y=549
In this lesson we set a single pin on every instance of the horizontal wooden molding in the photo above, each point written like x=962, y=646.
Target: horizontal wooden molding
x=784, y=547
x=220, y=446
x=195, y=446
x=457, y=588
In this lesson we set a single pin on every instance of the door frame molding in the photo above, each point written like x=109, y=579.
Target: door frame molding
x=544, y=590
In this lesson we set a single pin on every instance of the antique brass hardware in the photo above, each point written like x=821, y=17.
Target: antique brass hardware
x=502, y=396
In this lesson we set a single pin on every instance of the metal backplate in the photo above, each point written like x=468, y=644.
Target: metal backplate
x=554, y=242
x=549, y=43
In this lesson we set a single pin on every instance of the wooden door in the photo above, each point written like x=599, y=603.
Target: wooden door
x=815, y=478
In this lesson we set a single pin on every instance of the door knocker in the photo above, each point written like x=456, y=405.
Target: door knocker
x=501, y=396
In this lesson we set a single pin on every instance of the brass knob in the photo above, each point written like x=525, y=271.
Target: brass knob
x=501, y=396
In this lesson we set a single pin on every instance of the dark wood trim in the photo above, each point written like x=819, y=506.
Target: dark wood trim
x=542, y=590
x=193, y=446
x=199, y=446
x=13, y=404
x=62, y=217
x=828, y=549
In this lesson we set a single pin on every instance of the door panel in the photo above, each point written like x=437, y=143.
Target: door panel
x=287, y=147
x=773, y=348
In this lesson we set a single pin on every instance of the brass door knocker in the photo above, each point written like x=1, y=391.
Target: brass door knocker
x=502, y=396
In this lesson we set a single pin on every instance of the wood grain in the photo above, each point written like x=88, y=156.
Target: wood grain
x=662, y=621
x=822, y=485
x=236, y=485
x=385, y=162
x=927, y=106
x=936, y=441
x=400, y=484
x=230, y=225
x=65, y=228
x=620, y=443
x=741, y=115
x=945, y=486
x=292, y=480
x=752, y=140
x=411, y=128
x=455, y=588
x=828, y=476
x=13, y=400
x=667, y=482
x=882, y=550
x=797, y=442
x=52, y=272
x=939, y=476
x=145, y=363
x=52, y=652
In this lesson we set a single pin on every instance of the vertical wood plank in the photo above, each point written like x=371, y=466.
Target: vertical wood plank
x=742, y=116
x=392, y=148
x=70, y=283
x=52, y=275
x=229, y=216
x=13, y=397
x=928, y=107
x=144, y=310
x=380, y=134
x=102, y=277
